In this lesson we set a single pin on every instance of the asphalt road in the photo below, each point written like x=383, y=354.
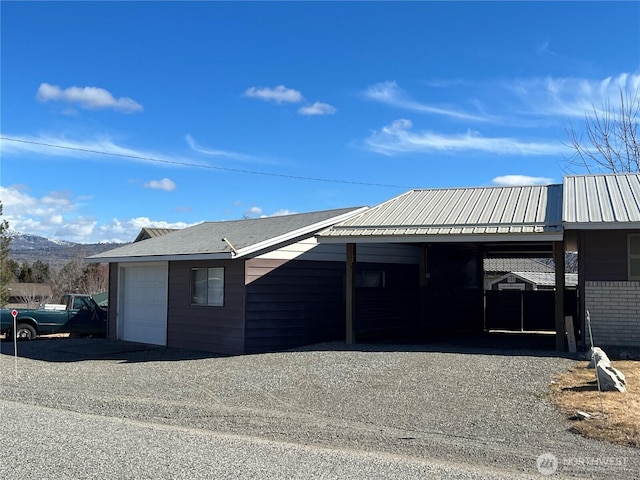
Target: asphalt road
x=83, y=408
x=69, y=445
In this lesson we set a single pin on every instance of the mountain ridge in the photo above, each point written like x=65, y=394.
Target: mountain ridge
x=26, y=247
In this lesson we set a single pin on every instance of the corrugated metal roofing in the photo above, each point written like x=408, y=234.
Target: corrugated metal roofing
x=495, y=211
x=516, y=265
x=147, y=232
x=207, y=238
x=542, y=279
x=602, y=201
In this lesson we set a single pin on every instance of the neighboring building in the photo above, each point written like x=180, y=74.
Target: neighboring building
x=242, y=286
x=601, y=218
x=147, y=232
x=531, y=281
x=28, y=295
x=495, y=268
x=102, y=299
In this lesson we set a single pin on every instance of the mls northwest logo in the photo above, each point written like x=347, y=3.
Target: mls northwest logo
x=547, y=464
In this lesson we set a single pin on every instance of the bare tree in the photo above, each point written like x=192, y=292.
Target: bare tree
x=78, y=277
x=68, y=278
x=95, y=278
x=610, y=142
x=32, y=298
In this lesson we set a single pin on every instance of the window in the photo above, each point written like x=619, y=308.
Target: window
x=634, y=256
x=207, y=286
x=370, y=279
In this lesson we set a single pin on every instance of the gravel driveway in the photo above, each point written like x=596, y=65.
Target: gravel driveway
x=476, y=408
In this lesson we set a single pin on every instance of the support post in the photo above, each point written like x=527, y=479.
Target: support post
x=558, y=259
x=423, y=266
x=422, y=283
x=350, y=293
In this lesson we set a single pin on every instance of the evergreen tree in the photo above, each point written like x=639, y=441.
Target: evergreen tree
x=41, y=271
x=5, y=272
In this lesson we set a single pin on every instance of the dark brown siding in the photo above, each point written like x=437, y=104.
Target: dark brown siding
x=393, y=310
x=603, y=255
x=209, y=328
x=112, y=332
x=293, y=303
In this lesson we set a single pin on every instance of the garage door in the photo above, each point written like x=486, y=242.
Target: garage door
x=144, y=304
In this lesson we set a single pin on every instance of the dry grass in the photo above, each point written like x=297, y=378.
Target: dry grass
x=616, y=415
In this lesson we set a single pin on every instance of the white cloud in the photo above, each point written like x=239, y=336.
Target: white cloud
x=280, y=213
x=390, y=94
x=318, y=108
x=165, y=184
x=571, y=97
x=55, y=216
x=255, y=212
x=520, y=180
x=399, y=138
x=214, y=152
x=252, y=212
x=126, y=230
x=279, y=94
x=87, y=97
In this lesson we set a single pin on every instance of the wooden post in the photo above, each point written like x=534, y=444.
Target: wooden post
x=423, y=266
x=558, y=258
x=571, y=336
x=422, y=284
x=350, y=294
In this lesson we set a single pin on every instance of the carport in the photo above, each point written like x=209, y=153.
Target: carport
x=454, y=230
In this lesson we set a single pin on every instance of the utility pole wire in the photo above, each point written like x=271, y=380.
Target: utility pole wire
x=210, y=167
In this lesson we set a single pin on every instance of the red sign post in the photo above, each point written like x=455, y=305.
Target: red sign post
x=14, y=314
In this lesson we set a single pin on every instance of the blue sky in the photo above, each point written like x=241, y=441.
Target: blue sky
x=120, y=115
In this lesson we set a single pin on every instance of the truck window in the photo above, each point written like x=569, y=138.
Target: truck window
x=80, y=303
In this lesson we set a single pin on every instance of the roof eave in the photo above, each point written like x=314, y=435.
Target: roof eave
x=449, y=238
x=601, y=225
x=162, y=258
x=301, y=232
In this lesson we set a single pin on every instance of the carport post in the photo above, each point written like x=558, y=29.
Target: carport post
x=350, y=287
x=558, y=259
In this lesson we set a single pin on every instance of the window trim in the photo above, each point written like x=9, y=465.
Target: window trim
x=192, y=296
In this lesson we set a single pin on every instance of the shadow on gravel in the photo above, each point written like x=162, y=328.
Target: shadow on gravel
x=507, y=344
x=78, y=350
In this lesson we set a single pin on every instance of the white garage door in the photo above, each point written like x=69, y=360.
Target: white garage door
x=143, y=306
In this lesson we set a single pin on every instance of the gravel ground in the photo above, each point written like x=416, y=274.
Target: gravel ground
x=435, y=405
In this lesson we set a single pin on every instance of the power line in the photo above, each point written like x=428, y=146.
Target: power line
x=210, y=167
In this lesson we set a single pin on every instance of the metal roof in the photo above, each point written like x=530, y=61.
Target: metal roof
x=227, y=239
x=147, y=232
x=610, y=201
x=503, y=265
x=459, y=214
x=539, y=278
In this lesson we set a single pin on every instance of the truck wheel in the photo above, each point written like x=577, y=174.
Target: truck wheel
x=25, y=332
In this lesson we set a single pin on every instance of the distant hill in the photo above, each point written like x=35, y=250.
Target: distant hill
x=29, y=248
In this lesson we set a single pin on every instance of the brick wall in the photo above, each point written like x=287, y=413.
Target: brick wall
x=614, y=308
